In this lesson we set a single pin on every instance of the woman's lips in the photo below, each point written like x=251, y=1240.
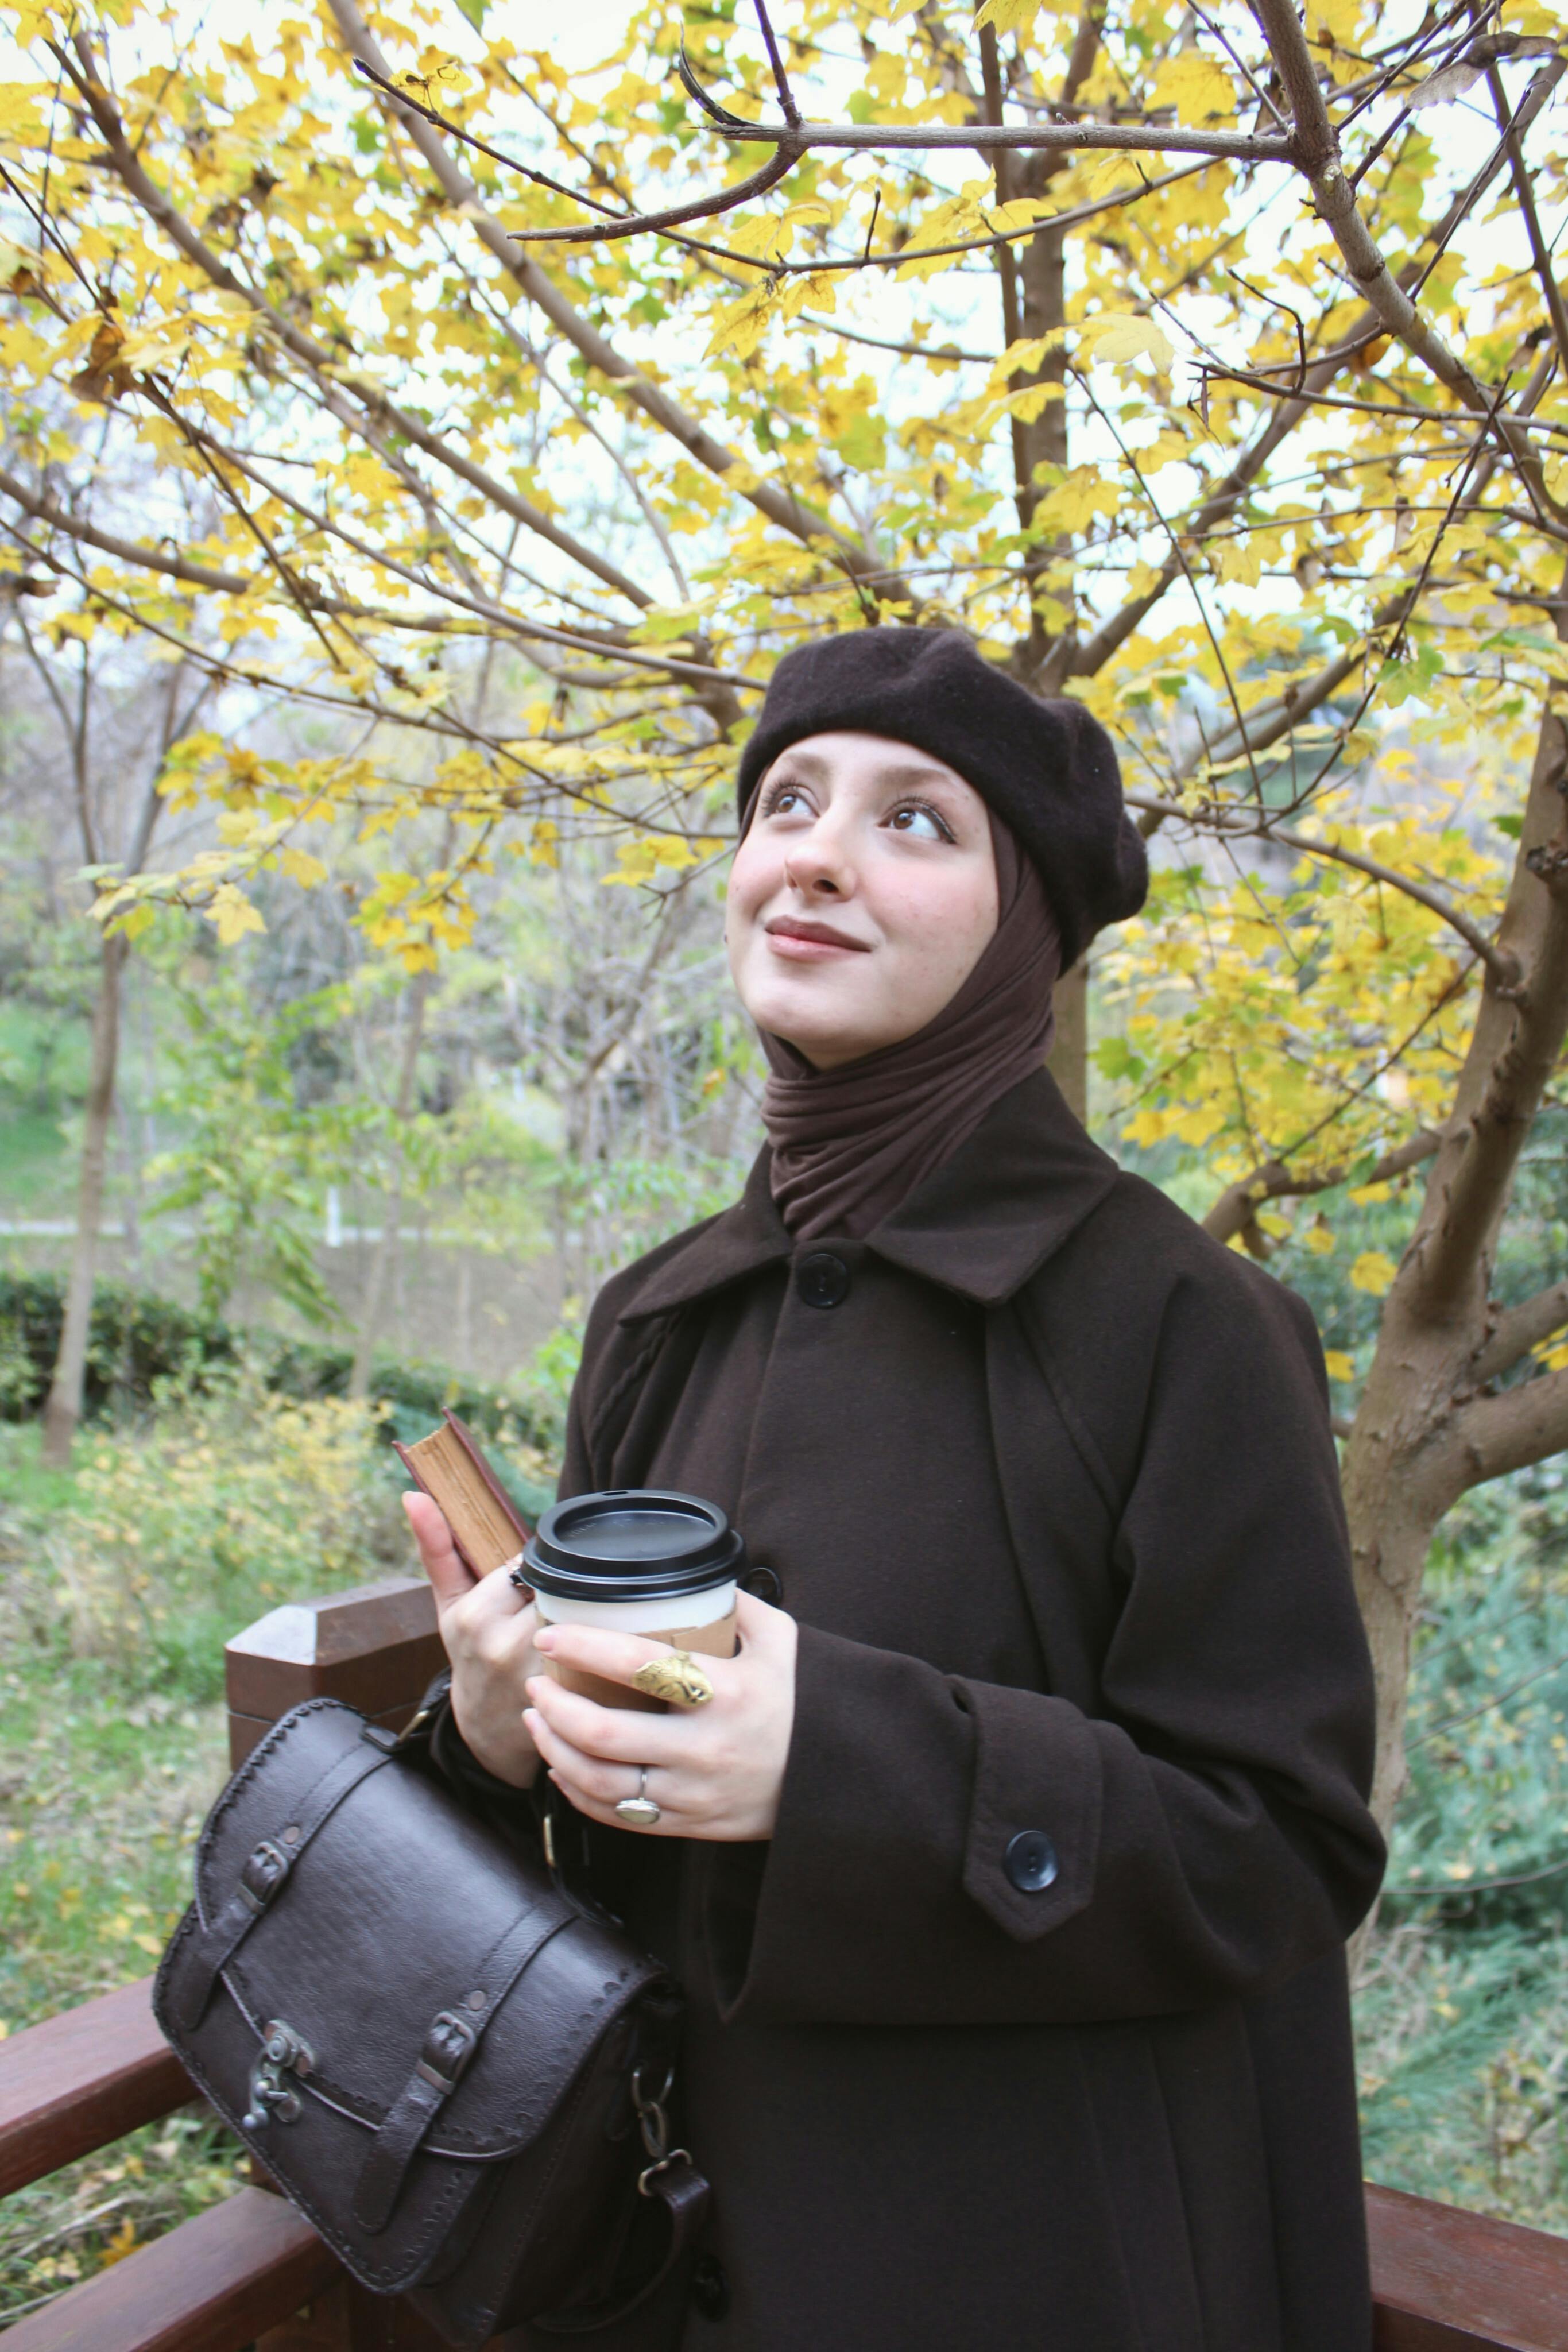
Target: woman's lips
x=800, y=942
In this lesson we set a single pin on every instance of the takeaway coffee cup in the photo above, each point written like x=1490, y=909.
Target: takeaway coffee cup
x=637, y=1560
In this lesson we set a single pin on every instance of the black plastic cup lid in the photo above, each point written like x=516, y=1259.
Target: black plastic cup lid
x=632, y=1543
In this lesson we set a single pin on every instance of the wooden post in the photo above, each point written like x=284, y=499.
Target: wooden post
x=376, y=1647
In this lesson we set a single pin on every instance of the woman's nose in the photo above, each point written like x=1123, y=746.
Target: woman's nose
x=817, y=866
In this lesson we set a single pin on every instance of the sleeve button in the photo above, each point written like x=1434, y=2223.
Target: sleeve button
x=1030, y=1862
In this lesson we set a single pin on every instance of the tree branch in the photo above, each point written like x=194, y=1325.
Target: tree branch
x=1088, y=658
x=611, y=227
x=607, y=646
x=1498, y=1434
x=1315, y=152
x=780, y=507
x=1049, y=138
x=1244, y=825
x=1519, y=1328
x=1513, y=1052
x=1539, y=252
x=1238, y=1205
x=325, y=364
x=45, y=510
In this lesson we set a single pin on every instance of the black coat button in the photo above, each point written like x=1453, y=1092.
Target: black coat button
x=1031, y=1861
x=822, y=1279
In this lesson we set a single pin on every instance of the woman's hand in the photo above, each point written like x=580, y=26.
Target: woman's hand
x=489, y=1630
x=714, y=1771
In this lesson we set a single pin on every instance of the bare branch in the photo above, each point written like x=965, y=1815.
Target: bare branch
x=1049, y=138
x=44, y=509
x=610, y=645
x=325, y=364
x=1498, y=1434
x=1315, y=150
x=1539, y=252
x=780, y=507
x=1519, y=1328
x=1247, y=826
x=1072, y=659
x=609, y=226
x=1238, y=1205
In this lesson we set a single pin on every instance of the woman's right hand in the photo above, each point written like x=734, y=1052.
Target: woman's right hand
x=489, y=1630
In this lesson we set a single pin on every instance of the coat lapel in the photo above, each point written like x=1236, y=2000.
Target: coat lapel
x=982, y=1225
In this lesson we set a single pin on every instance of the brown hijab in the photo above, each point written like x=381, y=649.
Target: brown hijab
x=849, y=1144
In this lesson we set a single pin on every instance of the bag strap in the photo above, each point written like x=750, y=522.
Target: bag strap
x=680, y=2187
x=450, y=2042
x=670, y=2179
x=263, y=1874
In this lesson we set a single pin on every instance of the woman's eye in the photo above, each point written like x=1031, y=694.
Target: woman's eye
x=784, y=800
x=923, y=823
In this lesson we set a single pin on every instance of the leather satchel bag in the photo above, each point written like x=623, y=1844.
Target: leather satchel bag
x=452, y=2069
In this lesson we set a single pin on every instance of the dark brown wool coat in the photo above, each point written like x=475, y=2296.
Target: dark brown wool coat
x=1051, y=1488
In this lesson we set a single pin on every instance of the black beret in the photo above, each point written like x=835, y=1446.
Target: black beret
x=1047, y=768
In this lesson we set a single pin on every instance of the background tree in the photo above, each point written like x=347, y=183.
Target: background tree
x=438, y=350
x=117, y=719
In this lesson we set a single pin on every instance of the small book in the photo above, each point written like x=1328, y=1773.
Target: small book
x=487, y=1526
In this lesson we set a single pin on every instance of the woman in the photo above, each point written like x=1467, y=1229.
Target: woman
x=1010, y=1868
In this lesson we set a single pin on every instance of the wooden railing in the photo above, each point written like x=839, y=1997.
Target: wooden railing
x=250, y=2271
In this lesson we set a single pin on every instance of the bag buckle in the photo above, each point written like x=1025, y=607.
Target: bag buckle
x=263, y=1873
x=654, y=2123
x=273, y=2097
x=449, y=2045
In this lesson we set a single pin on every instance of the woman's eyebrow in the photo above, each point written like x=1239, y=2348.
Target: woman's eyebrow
x=902, y=780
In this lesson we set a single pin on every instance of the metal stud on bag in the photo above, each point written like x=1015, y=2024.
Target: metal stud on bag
x=273, y=2097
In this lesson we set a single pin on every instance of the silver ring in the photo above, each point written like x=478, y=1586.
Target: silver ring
x=640, y=1810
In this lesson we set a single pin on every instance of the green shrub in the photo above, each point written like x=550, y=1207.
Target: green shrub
x=139, y=1342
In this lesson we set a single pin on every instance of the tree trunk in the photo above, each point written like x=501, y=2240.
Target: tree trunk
x=62, y=1411
x=1431, y=1422
x=385, y=1252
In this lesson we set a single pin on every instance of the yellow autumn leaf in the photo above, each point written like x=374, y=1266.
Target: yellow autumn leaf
x=1200, y=90
x=1339, y=1365
x=232, y=914
x=1238, y=559
x=740, y=326
x=301, y=867
x=1009, y=16
x=1372, y=1272
x=1114, y=335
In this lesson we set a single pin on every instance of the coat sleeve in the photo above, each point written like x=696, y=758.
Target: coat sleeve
x=950, y=1851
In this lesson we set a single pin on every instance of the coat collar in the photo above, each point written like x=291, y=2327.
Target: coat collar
x=982, y=1225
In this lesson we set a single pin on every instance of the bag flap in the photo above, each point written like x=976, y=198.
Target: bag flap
x=386, y=1920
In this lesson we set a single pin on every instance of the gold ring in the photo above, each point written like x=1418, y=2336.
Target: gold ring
x=677, y=1677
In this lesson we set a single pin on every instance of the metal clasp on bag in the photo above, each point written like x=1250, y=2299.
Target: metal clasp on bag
x=448, y=2046
x=655, y=2128
x=263, y=1874
x=273, y=2097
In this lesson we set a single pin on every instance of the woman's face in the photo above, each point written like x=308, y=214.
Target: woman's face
x=861, y=897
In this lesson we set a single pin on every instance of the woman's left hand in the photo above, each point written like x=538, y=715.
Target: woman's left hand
x=714, y=1771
